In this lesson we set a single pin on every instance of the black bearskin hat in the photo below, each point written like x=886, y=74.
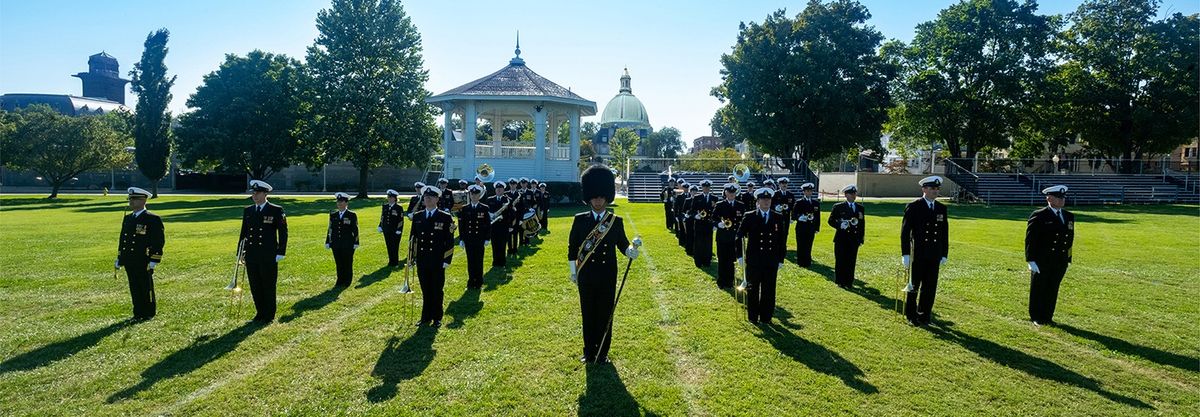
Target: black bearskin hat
x=597, y=181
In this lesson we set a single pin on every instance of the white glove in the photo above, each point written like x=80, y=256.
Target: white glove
x=780, y=266
x=355, y=246
x=278, y=258
x=943, y=261
x=905, y=260
x=804, y=218
x=117, y=264
x=445, y=265
x=574, y=278
x=151, y=265
x=631, y=252
x=462, y=244
x=326, y=246
x=510, y=229
x=720, y=225
x=741, y=262
x=845, y=225
x=398, y=233
x=697, y=216
x=409, y=216
x=487, y=243
x=1033, y=267
x=379, y=229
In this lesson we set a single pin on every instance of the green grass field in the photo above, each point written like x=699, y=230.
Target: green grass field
x=1127, y=343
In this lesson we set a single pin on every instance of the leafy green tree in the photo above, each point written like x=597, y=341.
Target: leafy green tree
x=1131, y=81
x=151, y=120
x=722, y=128
x=971, y=75
x=622, y=148
x=663, y=143
x=716, y=160
x=807, y=87
x=59, y=147
x=248, y=116
x=368, y=86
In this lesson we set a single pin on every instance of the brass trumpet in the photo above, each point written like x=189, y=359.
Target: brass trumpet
x=727, y=223
x=854, y=221
x=486, y=173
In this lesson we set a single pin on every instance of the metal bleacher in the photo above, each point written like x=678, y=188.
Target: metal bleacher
x=1025, y=189
x=646, y=186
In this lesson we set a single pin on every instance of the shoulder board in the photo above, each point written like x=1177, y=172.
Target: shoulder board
x=446, y=212
x=582, y=213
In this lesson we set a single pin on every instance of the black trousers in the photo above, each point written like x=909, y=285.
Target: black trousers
x=760, y=291
x=433, y=289
x=597, y=289
x=680, y=231
x=514, y=240
x=804, y=242
x=918, y=304
x=669, y=214
x=141, y=288
x=689, y=236
x=263, y=274
x=474, y=263
x=845, y=253
x=1043, y=290
x=393, y=247
x=727, y=254
x=545, y=219
x=499, y=245
x=702, y=243
x=343, y=258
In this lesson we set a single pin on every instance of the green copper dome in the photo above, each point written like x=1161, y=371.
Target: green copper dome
x=625, y=109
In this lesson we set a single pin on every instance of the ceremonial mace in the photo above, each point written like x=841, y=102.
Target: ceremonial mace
x=637, y=242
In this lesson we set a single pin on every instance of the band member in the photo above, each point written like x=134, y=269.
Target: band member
x=596, y=236
x=765, y=232
x=808, y=222
x=678, y=209
x=140, y=251
x=415, y=202
x=667, y=196
x=528, y=202
x=544, y=206
x=518, y=196
x=475, y=229
x=446, y=200
x=728, y=216
x=1049, y=235
x=702, y=239
x=264, y=228
x=689, y=221
x=433, y=235
x=391, y=225
x=462, y=185
x=924, y=246
x=784, y=199
x=747, y=196
x=849, y=219
x=500, y=209
x=479, y=181
x=342, y=238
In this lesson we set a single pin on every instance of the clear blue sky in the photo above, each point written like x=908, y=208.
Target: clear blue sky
x=672, y=48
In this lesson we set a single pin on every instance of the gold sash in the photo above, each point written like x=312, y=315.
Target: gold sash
x=594, y=237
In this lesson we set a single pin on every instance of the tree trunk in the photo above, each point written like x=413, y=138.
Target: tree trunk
x=154, y=189
x=54, y=186
x=363, y=172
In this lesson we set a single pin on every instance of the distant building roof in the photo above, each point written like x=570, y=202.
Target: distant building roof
x=62, y=103
x=625, y=110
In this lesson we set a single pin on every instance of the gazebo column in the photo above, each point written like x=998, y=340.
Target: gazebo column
x=574, y=120
x=552, y=137
x=447, y=129
x=539, y=141
x=469, y=126
x=497, y=133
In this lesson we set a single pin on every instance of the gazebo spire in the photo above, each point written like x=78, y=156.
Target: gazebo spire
x=517, y=59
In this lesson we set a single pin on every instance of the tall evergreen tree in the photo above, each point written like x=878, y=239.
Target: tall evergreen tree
x=151, y=120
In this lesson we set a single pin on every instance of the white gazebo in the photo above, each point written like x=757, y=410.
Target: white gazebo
x=514, y=93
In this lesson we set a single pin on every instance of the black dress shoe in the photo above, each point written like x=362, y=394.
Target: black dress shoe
x=913, y=323
x=436, y=323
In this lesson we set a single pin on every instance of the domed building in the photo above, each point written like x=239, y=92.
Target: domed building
x=624, y=111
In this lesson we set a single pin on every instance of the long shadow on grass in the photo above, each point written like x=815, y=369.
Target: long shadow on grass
x=204, y=349
x=378, y=275
x=816, y=357
x=1160, y=357
x=401, y=361
x=60, y=350
x=1029, y=364
x=315, y=302
x=605, y=394
x=468, y=305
